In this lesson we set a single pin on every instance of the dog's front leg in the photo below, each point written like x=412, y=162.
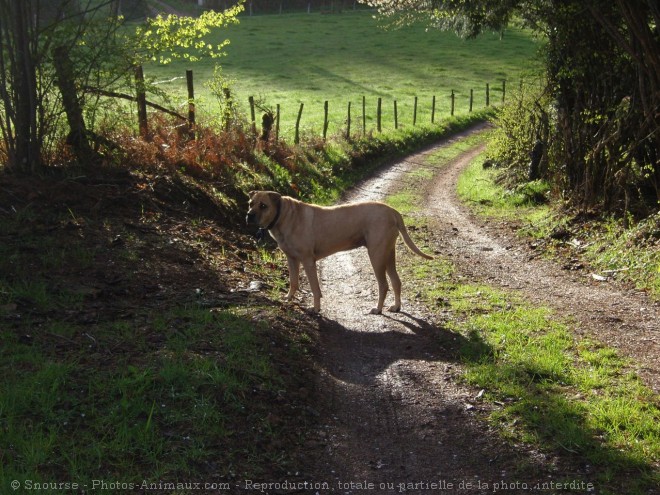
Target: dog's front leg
x=294, y=277
x=310, y=269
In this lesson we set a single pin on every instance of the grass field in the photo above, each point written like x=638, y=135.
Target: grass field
x=310, y=58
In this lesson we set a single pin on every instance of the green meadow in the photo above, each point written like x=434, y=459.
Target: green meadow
x=291, y=59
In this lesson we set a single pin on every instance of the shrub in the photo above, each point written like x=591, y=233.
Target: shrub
x=520, y=140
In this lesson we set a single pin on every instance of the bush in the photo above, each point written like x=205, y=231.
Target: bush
x=520, y=140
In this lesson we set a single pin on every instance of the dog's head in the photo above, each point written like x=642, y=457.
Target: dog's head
x=264, y=208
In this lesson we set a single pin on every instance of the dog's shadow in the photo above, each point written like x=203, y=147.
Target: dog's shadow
x=361, y=356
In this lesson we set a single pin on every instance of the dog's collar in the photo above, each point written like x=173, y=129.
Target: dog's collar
x=277, y=217
x=261, y=233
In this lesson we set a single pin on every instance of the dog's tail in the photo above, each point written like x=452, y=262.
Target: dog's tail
x=406, y=238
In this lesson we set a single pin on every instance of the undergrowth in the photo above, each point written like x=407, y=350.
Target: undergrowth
x=127, y=354
x=233, y=162
x=630, y=253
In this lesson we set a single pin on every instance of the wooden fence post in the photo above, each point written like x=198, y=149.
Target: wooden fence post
x=364, y=115
x=503, y=89
x=415, y=112
x=228, y=108
x=325, y=120
x=487, y=94
x=453, y=98
x=141, y=101
x=253, y=117
x=379, y=114
x=296, y=139
x=471, y=98
x=433, y=110
x=348, y=122
x=277, y=123
x=191, y=104
x=396, y=116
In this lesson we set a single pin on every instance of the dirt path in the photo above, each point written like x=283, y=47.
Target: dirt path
x=395, y=419
x=621, y=318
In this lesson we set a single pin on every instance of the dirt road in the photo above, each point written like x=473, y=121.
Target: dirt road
x=395, y=419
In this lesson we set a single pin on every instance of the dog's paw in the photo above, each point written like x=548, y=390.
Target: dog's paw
x=375, y=311
x=394, y=308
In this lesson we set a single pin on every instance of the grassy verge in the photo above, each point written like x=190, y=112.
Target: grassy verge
x=148, y=411
x=352, y=161
x=571, y=396
x=321, y=172
x=227, y=165
x=627, y=251
x=526, y=203
x=566, y=395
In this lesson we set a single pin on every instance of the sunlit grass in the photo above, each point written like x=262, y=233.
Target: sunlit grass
x=300, y=58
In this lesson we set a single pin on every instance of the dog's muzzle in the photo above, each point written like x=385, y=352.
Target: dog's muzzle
x=250, y=218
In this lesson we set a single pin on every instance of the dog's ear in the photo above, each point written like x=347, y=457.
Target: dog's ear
x=252, y=193
x=275, y=197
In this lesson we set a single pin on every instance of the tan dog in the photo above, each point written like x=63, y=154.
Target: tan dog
x=306, y=233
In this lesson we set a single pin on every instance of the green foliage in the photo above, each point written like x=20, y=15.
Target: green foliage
x=520, y=123
x=166, y=37
x=221, y=87
x=599, y=62
x=466, y=18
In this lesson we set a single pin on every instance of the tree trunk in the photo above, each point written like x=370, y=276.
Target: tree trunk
x=141, y=96
x=26, y=155
x=65, y=82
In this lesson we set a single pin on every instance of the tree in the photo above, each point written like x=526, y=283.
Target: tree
x=46, y=48
x=57, y=54
x=166, y=37
x=602, y=64
x=22, y=132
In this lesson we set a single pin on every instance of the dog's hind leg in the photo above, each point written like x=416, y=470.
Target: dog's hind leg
x=379, y=264
x=394, y=280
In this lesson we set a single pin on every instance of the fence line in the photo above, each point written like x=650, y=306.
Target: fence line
x=379, y=113
x=275, y=119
